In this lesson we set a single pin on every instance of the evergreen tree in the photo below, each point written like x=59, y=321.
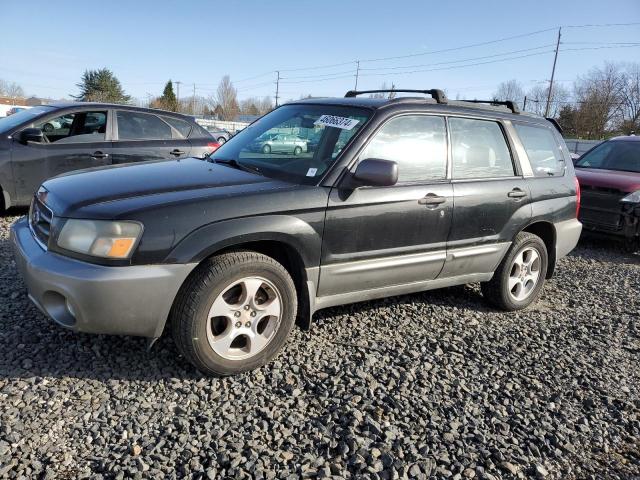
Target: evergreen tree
x=101, y=86
x=168, y=100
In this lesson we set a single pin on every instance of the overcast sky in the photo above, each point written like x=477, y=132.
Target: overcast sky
x=46, y=47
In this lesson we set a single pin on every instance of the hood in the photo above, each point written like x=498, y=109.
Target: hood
x=596, y=177
x=135, y=186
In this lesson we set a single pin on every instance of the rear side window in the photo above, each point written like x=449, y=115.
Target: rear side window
x=417, y=143
x=479, y=149
x=542, y=149
x=141, y=126
x=199, y=132
x=181, y=126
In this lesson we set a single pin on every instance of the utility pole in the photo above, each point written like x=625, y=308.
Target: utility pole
x=524, y=107
x=553, y=73
x=357, y=73
x=277, y=86
x=178, y=93
x=193, y=100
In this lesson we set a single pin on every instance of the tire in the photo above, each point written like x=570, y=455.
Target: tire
x=511, y=288
x=47, y=127
x=221, y=140
x=266, y=149
x=297, y=151
x=220, y=284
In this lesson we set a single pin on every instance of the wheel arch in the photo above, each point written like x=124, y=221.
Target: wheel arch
x=288, y=240
x=547, y=232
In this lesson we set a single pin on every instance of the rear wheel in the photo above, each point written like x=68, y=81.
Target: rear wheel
x=519, y=279
x=221, y=140
x=266, y=149
x=47, y=127
x=234, y=313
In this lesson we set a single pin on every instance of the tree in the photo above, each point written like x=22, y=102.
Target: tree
x=510, y=90
x=168, y=100
x=101, y=86
x=537, y=99
x=630, y=99
x=227, y=98
x=600, y=98
x=11, y=89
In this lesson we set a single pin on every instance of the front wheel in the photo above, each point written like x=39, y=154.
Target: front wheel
x=221, y=140
x=297, y=151
x=519, y=279
x=234, y=313
x=266, y=149
x=47, y=127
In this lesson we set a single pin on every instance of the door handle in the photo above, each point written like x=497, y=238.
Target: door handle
x=99, y=154
x=432, y=200
x=517, y=193
x=177, y=152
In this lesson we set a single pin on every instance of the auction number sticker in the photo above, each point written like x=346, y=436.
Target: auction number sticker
x=338, y=122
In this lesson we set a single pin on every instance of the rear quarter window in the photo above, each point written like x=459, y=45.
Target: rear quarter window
x=199, y=132
x=542, y=149
x=182, y=126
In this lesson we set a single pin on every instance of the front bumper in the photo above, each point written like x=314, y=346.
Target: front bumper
x=131, y=300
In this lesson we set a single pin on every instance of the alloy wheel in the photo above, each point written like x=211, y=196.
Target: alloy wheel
x=524, y=274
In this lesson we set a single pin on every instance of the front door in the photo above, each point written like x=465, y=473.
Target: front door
x=492, y=198
x=73, y=141
x=144, y=136
x=383, y=236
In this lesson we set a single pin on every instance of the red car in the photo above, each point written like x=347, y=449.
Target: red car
x=609, y=176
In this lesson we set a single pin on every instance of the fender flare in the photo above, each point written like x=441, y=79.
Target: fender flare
x=207, y=240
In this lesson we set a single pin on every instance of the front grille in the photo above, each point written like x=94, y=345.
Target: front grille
x=601, y=208
x=40, y=218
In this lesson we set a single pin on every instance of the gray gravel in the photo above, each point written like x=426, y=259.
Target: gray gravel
x=426, y=385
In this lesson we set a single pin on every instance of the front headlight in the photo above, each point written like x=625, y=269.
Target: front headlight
x=632, y=197
x=100, y=238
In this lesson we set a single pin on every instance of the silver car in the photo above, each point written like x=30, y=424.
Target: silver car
x=284, y=143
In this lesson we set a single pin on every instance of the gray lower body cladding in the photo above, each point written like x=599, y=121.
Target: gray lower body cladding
x=131, y=300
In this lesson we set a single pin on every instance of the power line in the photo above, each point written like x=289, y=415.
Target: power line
x=459, y=61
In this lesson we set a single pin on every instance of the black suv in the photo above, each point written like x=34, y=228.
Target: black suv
x=398, y=196
x=44, y=141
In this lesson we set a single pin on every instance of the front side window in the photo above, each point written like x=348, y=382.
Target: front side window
x=542, y=149
x=75, y=127
x=142, y=126
x=614, y=155
x=417, y=143
x=479, y=149
x=297, y=143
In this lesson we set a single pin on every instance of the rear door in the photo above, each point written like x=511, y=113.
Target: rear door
x=491, y=195
x=74, y=140
x=377, y=237
x=141, y=136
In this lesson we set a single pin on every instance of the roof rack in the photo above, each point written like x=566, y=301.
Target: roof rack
x=438, y=95
x=511, y=105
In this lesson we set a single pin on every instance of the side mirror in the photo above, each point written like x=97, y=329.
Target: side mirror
x=373, y=172
x=31, y=135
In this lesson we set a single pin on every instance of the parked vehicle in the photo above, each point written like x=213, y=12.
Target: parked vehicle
x=220, y=134
x=283, y=143
x=14, y=110
x=609, y=176
x=229, y=252
x=44, y=141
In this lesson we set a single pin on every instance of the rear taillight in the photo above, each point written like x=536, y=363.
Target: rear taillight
x=213, y=146
x=577, y=196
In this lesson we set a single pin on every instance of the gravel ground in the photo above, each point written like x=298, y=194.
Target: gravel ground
x=426, y=385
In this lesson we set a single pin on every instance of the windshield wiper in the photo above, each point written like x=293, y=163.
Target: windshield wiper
x=232, y=162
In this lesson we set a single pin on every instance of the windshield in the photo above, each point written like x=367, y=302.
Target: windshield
x=296, y=143
x=7, y=123
x=616, y=155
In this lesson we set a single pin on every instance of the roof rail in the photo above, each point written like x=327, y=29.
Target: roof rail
x=510, y=104
x=438, y=95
